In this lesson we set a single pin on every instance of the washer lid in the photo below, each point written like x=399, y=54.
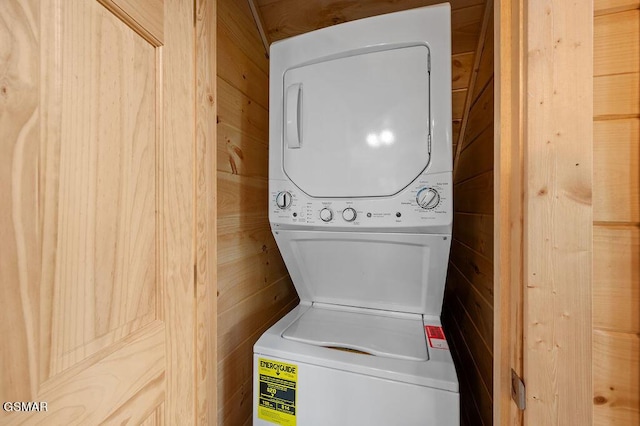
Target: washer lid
x=374, y=332
x=358, y=126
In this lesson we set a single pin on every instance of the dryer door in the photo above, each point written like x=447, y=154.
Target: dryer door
x=358, y=126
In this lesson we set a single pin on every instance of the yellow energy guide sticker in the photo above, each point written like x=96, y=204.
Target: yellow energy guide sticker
x=277, y=392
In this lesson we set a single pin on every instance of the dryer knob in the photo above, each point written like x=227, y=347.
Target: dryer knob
x=349, y=214
x=283, y=199
x=326, y=214
x=428, y=198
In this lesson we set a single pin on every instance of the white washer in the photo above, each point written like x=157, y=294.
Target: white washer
x=361, y=209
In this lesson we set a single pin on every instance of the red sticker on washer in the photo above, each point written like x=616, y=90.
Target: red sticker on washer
x=435, y=336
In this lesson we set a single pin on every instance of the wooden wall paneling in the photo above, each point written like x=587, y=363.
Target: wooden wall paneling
x=486, y=64
x=508, y=211
x=603, y=7
x=475, y=231
x=475, y=195
x=616, y=231
x=254, y=289
x=473, y=360
x=457, y=103
x=479, y=117
x=206, y=214
x=461, y=67
x=469, y=411
x=240, y=111
x=258, y=19
x=238, y=322
x=616, y=43
x=616, y=384
x=480, y=315
x=616, y=278
x=241, y=154
x=477, y=269
x=479, y=47
x=558, y=213
x=236, y=20
x=469, y=315
x=477, y=158
x=616, y=96
x=616, y=155
x=241, y=72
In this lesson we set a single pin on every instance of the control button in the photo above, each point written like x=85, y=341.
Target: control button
x=326, y=215
x=283, y=199
x=428, y=198
x=349, y=214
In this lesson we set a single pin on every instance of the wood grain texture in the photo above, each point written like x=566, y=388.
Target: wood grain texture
x=616, y=278
x=461, y=66
x=473, y=362
x=469, y=287
x=616, y=186
x=616, y=43
x=457, y=103
x=234, y=18
x=477, y=269
x=240, y=111
x=99, y=235
x=178, y=210
x=475, y=195
x=616, y=96
x=254, y=288
x=616, y=385
x=477, y=158
x=241, y=154
x=206, y=214
x=558, y=212
x=508, y=211
x=487, y=16
x=144, y=16
x=616, y=231
x=603, y=7
x=480, y=116
x=237, y=69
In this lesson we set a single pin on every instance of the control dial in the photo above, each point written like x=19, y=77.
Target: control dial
x=283, y=199
x=349, y=214
x=326, y=215
x=428, y=198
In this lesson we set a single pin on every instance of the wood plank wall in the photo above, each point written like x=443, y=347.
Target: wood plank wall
x=616, y=213
x=468, y=305
x=254, y=288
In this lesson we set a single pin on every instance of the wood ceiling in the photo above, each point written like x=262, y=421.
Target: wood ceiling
x=286, y=18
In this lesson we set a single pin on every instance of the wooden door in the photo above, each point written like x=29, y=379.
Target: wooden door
x=97, y=138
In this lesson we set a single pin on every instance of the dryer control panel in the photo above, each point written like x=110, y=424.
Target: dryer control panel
x=426, y=203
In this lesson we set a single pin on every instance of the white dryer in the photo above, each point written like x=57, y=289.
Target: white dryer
x=361, y=209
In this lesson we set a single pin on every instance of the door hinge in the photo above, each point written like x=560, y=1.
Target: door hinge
x=518, y=391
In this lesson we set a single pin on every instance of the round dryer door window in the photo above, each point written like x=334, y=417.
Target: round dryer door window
x=358, y=126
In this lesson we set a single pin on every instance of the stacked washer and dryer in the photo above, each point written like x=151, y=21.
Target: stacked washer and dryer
x=361, y=209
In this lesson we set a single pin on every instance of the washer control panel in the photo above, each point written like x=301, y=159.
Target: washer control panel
x=427, y=201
